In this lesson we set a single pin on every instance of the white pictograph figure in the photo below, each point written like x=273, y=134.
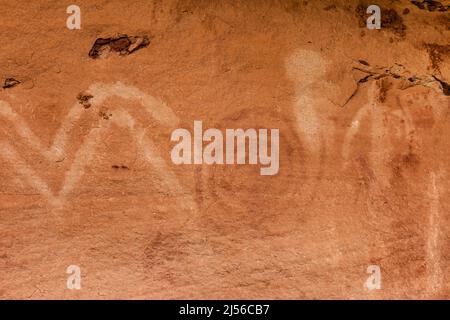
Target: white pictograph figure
x=308, y=69
x=380, y=133
x=433, y=258
x=121, y=118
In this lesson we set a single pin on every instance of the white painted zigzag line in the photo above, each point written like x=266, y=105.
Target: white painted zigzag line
x=101, y=92
x=84, y=154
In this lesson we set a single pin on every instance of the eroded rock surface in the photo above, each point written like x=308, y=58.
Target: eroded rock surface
x=87, y=177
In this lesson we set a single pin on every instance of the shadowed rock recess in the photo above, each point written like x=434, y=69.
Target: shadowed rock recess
x=121, y=44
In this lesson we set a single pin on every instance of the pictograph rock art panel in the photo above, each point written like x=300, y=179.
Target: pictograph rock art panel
x=358, y=207
x=57, y=152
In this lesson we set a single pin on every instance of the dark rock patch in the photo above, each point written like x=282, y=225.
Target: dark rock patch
x=84, y=99
x=121, y=44
x=431, y=5
x=10, y=82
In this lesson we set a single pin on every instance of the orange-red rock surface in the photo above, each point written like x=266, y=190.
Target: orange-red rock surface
x=87, y=178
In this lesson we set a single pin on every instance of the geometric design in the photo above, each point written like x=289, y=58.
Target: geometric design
x=121, y=118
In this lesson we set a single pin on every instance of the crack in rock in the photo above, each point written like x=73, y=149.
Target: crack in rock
x=397, y=71
x=122, y=44
x=10, y=82
x=445, y=86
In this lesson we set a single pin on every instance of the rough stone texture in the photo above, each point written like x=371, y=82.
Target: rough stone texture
x=364, y=177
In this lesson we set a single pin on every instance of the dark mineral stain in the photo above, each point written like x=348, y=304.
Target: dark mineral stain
x=444, y=21
x=330, y=7
x=436, y=52
x=390, y=19
x=105, y=114
x=122, y=44
x=431, y=5
x=403, y=163
x=362, y=15
x=410, y=160
x=384, y=86
x=84, y=99
x=117, y=167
